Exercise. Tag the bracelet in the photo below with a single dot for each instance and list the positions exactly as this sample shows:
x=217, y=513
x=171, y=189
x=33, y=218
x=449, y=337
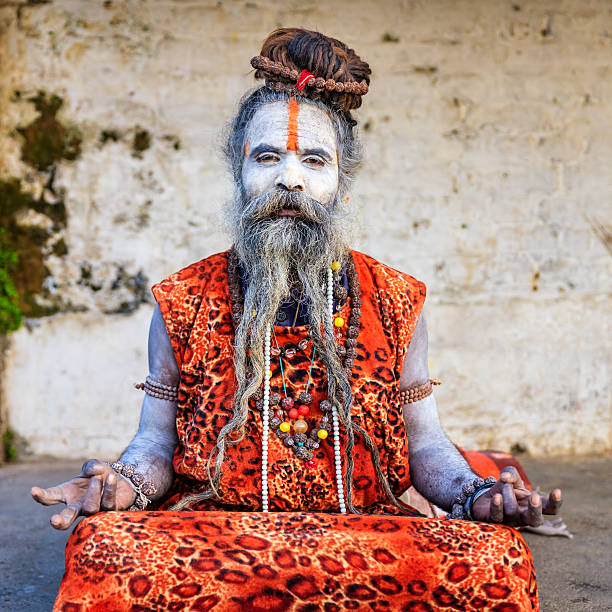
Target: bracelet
x=144, y=489
x=462, y=506
x=158, y=390
x=414, y=394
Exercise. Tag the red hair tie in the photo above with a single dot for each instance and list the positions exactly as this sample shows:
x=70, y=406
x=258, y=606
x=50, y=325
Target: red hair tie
x=304, y=78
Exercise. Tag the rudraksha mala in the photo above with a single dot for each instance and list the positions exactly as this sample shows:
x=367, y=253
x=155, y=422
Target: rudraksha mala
x=144, y=489
x=158, y=390
x=282, y=78
x=470, y=492
x=419, y=392
x=301, y=444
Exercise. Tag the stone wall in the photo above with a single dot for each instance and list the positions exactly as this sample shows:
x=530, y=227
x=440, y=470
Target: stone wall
x=488, y=138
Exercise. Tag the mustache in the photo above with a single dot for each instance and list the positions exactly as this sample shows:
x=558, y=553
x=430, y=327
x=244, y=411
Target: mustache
x=272, y=202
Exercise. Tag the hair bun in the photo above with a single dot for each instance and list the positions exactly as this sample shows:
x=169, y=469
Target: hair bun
x=341, y=77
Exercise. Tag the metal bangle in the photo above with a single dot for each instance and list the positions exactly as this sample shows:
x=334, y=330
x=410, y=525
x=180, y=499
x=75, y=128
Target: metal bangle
x=468, y=490
x=469, y=504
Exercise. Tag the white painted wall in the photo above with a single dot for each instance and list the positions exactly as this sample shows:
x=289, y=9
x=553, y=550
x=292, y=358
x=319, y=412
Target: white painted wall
x=488, y=144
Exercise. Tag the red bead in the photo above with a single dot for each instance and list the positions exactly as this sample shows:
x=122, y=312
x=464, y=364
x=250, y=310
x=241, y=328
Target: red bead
x=287, y=403
x=293, y=413
x=303, y=410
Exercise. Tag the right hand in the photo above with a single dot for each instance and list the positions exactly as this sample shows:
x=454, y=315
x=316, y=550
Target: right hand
x=97, y=487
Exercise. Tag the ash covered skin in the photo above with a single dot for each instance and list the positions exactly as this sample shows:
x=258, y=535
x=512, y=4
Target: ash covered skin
x=276, y=157
x=291, y=146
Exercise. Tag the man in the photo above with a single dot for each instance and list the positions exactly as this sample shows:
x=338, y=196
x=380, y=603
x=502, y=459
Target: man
x=279, y=373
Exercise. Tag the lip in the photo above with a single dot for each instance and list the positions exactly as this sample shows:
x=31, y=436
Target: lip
x=288, y=212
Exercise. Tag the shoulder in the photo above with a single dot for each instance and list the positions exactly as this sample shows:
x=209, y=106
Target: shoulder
x=195, y=276
x=385, y=277
x=180, y=295
x=182, y=291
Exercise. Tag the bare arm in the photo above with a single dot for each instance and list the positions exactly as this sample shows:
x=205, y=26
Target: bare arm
x=437, y=469
x=153, y=446
x=97, y=487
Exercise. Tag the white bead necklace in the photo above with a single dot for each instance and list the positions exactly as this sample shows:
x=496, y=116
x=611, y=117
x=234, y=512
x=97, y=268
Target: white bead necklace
x=266, y=414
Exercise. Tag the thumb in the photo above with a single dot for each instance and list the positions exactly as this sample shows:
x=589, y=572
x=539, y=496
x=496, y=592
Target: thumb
x=94, y=467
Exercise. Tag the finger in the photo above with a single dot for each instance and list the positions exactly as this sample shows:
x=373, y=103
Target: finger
x=511, y=476
x=532, y=516
x=66, y=517
x=522, y=495
x=109, y=495
x=553, y=503
x=91, y=501
x=94, y=467
x=48, y=497
x=511, y=508
x=497, y=509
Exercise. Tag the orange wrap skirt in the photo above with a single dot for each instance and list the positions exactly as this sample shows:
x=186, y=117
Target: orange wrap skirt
x=251, y=561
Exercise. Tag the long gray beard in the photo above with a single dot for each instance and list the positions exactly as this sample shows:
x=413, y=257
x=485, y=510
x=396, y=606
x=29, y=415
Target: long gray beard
x=273, y=251
x=276, y=253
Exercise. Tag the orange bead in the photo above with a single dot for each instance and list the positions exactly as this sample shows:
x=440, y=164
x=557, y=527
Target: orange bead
x=300, y=426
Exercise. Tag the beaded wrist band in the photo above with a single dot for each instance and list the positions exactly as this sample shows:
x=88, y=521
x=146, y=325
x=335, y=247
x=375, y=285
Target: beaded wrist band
x=143, y=488
x=414, y=394
x=159, y=390
x=470, y=491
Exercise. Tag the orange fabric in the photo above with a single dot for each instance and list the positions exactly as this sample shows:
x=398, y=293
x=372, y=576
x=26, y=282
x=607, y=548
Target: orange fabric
x=250, y=561
x=195, y=306
x=300, y=561
x=292, y=125
x=491, y=463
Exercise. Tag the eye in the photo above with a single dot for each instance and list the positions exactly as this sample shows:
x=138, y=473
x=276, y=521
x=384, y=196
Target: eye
x=312, y=160
x=267, y=157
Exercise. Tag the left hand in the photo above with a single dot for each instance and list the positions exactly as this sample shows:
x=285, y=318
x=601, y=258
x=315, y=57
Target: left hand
x=509, y=502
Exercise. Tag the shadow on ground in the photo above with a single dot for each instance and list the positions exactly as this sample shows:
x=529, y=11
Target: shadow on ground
x=573, y=575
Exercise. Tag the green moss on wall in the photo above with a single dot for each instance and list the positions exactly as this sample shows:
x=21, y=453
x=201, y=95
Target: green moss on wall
x=23, y=246
x=10, y=314
x=141, y=141
x=22, y=267
x=45, y=140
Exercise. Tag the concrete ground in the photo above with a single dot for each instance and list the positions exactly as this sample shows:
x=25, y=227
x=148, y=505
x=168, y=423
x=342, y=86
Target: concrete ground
x=573, y=575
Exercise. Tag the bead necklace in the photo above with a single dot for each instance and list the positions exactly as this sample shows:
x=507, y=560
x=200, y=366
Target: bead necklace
x=301, y=444
x=346, y=353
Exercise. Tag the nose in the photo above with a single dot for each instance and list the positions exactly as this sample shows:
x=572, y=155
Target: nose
x=290, y=176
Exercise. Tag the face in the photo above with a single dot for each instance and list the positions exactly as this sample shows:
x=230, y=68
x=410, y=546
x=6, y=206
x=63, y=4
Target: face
x=291, y=146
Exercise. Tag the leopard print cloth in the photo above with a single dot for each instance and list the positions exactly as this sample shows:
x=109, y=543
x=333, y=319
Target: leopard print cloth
x=229, y=556
x=196, y=308
x=307, y=562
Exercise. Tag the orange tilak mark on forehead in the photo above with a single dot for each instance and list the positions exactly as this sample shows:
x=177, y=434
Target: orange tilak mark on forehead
x=292, y=125
x=247, y=148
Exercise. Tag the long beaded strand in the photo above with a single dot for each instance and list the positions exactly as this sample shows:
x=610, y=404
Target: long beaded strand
x=337, y=457
x=266, y=414
x=265, y=422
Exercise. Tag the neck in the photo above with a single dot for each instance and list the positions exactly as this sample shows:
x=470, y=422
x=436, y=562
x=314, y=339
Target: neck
x=294, y=310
